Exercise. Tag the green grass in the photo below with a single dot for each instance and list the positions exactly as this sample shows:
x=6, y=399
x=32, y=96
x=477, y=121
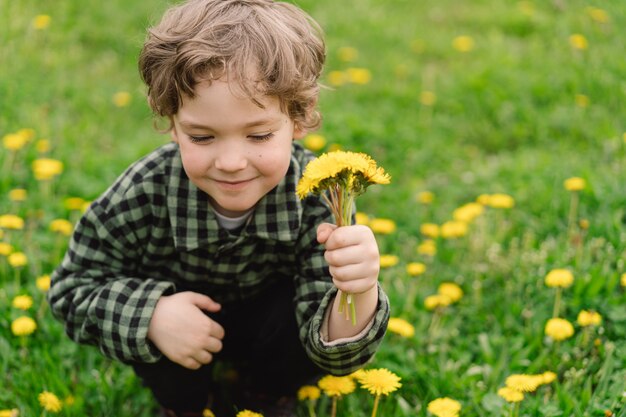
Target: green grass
x=505, y=120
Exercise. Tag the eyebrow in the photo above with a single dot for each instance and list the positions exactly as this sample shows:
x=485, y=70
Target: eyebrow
x=192, y=125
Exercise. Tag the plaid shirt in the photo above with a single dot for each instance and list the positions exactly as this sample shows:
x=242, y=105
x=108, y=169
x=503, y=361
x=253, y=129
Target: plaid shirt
x=154, y=233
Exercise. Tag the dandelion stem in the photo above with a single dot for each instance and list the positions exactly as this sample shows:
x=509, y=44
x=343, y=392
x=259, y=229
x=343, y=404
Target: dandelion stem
x=311, y=409
x=333, y=410
x=573, y=212
x=376, y=400
x=557, y=303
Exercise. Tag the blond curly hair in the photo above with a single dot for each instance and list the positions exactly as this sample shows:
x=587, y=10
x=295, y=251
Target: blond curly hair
x=267, y=48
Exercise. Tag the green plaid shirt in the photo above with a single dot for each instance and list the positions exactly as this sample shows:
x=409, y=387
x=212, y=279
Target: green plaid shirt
x=153, y=233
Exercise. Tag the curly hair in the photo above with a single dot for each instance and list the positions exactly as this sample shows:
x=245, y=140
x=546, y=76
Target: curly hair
x=267, y=48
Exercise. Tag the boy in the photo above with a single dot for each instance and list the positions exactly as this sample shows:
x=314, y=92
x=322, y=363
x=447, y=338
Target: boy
x=200, y=254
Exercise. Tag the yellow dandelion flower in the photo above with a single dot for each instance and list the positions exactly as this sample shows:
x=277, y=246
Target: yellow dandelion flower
x=121, y=99
x=578, y=41
x=62, y=226
x=17, y=194
x=387, y=261
x=41, y=21
x=526, y=7
x=46, y=168
x=379, y=381
x=428, y=98
x=453, y=229
x=308, y=392
x=559, y=329
x=208, y=413
x=348, y=54
x=574, y=184
x=248, y=413
x=415, y=268
x=597, y=15
x=14, y=141
x=589, y=318
x=430, y=230
x=23, y=326
x=43, y=145
x=425, y=197
x=50, y=402
x=559, y=278
x=11, y=221
x=584, y=224
x=623, y=280
x=499, y=200
x=382, y=226
x=463, y=43
x=444, y=407
x=581, y=100
x=359, y=75
x=335, y=386
x=547, y=377
x=43, y=283
x=437, y=300
x=27, y=133
x=314, y=142
x=357, y=374
x=511, y=395
x=5, y=249
x=14, y=412
x=361, y=218
x=22, y=302
x=17, y=259
x=337, y=78
x=450, y=290
x=468, y=212
x=523, y=382
x=400, y=326
x=350, y=170
x=73, y=203
x=427, y=247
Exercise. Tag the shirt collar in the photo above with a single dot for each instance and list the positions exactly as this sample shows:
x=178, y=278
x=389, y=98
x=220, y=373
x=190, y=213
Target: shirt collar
x=276, y=216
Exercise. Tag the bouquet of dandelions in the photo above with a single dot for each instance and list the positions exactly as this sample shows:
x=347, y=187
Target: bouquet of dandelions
x=339, y=177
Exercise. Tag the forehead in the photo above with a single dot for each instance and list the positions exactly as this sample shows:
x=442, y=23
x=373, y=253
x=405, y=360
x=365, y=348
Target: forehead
x=223, y=102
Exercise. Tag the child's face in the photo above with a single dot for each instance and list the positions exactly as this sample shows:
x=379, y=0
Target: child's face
x=232, y=149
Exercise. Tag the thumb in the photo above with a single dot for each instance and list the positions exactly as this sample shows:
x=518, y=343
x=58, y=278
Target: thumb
x=204, y=302
x=324, y=231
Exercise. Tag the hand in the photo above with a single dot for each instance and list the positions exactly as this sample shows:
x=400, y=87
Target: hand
x=181, y=330
x=352, y=256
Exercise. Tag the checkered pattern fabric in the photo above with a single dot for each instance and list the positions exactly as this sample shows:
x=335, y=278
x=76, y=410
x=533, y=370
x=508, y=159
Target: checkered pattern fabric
x=153, y=233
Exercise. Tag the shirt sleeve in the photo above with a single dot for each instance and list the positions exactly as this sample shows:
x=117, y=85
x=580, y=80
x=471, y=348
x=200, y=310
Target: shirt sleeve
x=314, y=295
x=95, y=292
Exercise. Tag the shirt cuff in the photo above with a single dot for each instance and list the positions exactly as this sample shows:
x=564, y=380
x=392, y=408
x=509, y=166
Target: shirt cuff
x=324, y=331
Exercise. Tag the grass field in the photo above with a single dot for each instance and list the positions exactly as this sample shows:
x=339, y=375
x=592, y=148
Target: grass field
x=459, y=99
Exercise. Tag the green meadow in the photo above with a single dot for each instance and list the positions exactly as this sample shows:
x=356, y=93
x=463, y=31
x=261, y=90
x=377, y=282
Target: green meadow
x=479, y=110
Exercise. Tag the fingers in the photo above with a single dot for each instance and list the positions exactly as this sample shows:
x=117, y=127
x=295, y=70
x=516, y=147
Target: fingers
x=340, y=237
x=324, y=231
x=204, y=302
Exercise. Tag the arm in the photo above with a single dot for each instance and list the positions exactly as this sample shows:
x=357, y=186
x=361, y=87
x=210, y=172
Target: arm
x=352, y=254
x=316, y=295
x=96, y=293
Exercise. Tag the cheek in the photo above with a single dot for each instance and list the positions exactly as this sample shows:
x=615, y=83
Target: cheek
x=274, y=163
x=193, y=163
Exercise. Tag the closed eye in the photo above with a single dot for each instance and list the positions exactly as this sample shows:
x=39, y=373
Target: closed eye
x=200, y=139
x=262, y=138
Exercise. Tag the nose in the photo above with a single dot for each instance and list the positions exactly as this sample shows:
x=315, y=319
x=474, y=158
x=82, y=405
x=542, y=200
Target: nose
x=230, y=157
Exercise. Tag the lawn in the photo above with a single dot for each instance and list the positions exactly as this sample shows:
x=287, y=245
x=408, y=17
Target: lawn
x=481, y=111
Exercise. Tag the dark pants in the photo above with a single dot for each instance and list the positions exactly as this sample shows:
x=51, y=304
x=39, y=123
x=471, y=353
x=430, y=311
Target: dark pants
x=262, y=353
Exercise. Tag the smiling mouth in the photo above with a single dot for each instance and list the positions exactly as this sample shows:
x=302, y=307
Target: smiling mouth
x=233, y=185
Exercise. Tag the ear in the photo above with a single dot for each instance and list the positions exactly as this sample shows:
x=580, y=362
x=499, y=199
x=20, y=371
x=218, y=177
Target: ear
x=298, y=132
